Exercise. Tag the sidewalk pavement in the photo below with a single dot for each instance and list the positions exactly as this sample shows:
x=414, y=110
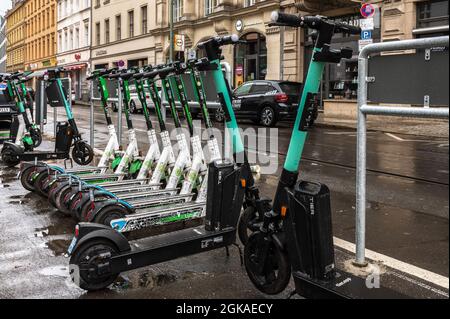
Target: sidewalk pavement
x=392, y=124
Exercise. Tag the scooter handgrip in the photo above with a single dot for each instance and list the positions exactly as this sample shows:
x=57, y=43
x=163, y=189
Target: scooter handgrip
x=287, y=19
x=229, y=39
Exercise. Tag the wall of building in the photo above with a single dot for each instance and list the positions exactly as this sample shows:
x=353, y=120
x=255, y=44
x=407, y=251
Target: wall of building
x=3, y=43
x=40, y=19
x=74, y=41
x=16, y=33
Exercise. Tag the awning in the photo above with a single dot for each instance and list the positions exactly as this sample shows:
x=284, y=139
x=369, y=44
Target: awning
x=76, y=66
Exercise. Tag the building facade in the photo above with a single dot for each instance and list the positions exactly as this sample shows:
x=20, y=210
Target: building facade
x=40, y=41
x=133, y=33
x=15, y=37
x=74, y=41
x=2, y=44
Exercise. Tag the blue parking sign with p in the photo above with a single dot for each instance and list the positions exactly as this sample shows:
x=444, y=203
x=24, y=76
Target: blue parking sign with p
x=366, y=34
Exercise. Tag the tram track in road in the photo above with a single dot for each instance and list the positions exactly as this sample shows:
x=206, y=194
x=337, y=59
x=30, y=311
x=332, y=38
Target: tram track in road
x=338, y=164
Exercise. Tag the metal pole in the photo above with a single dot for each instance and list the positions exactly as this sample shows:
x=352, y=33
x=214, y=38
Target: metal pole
x=360, y=230
x=91, y=118
x=119, y=111
x=282, y=52
x=42, y=107
x=171, y=47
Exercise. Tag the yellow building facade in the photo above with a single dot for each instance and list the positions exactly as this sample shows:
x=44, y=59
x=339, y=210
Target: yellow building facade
x=15, y=35
x=40, y=42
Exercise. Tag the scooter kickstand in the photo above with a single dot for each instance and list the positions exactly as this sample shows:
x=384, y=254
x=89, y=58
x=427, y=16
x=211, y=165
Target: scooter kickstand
x=241, y=258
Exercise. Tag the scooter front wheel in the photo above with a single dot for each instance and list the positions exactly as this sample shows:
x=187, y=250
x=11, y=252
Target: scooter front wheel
x=270, y=274
x=82, y=153
x=36, y=136
x=86, y=261
x=9, y=157
x=249, y=221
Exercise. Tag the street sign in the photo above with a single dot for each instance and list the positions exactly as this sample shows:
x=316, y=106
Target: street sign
x=179, y=42
x=192, y=54
x=364, y=43
x=367, y=24
x=367, y=10
x=366, y=34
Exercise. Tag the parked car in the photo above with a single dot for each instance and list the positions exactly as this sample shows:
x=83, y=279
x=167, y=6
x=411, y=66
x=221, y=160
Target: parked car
x=265, y=102
x=135, y=103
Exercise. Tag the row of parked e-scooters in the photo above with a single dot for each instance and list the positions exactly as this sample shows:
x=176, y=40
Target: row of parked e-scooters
x=126, y=192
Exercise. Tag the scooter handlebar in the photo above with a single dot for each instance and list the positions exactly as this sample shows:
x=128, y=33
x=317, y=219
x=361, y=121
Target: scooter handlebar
x=281, y=18
x=220, y=41
x=313, y=22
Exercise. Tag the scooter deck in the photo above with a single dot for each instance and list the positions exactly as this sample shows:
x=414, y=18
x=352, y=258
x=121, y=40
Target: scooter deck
x=42, y=155
x=344, y=285
x=87, y=169
x=154, y=216
x=169, y=246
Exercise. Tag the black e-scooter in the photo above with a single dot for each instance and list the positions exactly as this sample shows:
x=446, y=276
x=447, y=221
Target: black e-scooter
x=295, y=237
x=66, y=132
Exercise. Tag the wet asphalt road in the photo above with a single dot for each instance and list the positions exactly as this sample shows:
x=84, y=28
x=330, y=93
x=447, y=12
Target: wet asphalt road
x=407, y=217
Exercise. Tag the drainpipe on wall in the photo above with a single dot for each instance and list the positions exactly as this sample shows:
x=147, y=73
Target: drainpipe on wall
x=171, y=30
x=282, y=53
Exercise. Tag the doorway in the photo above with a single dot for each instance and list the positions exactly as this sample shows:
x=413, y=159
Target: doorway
x=250, y=59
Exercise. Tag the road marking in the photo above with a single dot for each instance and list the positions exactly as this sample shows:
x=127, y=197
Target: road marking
x=421, y=273
x=395, y=137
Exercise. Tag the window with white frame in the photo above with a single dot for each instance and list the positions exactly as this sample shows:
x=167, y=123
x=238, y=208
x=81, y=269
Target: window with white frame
x=177, y=10
x=249, y=3
x=209, y=6
x=86, y=34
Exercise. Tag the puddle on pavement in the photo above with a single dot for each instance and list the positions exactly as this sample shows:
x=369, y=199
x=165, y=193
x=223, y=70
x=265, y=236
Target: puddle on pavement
x=148, y=279
x=58, y=246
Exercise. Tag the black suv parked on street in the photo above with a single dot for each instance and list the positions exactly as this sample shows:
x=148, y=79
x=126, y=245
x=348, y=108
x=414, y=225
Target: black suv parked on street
x=265, y=102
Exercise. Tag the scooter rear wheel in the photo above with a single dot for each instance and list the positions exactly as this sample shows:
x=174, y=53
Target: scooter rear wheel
x=82, y=153
x=276, y=271
x=61, y=199
x=88, y=209
x=109, y=213
x=41, y=183
x=85, y=261
x=26, y=178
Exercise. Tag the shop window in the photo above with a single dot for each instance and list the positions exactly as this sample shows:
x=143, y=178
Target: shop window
x=138, y=63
